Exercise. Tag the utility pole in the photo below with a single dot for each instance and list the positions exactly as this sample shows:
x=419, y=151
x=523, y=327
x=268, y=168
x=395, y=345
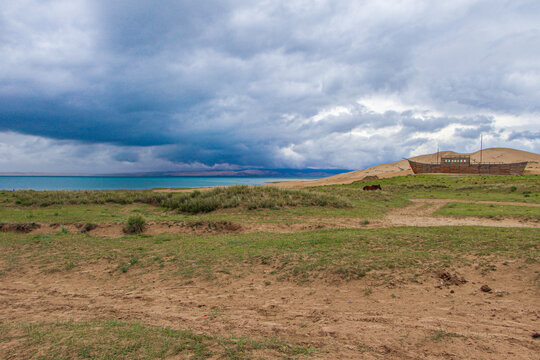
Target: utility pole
x=481, y=148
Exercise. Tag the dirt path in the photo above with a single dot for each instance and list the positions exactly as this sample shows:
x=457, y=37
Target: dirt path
x=421, y=213
x=360, y=319
x=445, y=201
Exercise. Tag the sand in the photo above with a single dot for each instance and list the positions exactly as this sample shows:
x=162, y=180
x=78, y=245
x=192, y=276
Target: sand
x=401, y=167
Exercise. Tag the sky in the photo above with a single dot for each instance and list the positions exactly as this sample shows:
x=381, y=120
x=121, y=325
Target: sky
x=130, y=86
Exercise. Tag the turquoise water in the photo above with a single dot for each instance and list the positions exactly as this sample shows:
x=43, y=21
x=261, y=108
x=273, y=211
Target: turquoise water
x=122, y=183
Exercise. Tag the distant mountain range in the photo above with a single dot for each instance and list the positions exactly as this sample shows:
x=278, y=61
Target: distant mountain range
x=273, y=173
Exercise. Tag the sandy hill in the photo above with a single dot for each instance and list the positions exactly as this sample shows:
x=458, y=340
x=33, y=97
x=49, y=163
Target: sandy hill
x=401, y=168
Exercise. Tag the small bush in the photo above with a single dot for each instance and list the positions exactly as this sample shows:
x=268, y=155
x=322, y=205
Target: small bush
x=135, y=225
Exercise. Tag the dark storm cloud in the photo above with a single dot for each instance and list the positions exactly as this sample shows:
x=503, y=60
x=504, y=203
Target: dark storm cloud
x=126, y=156
x=58, y=118
x=261, y=83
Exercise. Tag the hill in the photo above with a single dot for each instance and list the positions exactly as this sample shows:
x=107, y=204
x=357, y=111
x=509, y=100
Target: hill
x=401, y=167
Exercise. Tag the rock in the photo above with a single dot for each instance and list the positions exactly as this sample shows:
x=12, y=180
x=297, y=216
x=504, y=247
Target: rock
x=448, y=279
x=485, y=288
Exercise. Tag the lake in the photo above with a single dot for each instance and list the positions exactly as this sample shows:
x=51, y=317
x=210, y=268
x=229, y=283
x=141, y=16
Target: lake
x=123, y=183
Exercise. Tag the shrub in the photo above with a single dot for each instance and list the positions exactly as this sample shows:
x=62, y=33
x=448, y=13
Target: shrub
x=135, y=225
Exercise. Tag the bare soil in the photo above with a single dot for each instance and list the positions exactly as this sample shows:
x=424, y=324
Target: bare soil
x=421, y=214
x=434, y=317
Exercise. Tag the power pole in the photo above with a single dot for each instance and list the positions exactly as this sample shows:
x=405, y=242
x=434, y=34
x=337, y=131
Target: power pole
x=481, y=148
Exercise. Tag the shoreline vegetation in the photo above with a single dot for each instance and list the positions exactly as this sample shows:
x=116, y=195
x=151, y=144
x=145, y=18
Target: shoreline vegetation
x=193, y=202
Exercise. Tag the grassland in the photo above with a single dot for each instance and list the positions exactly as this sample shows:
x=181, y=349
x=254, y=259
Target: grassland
x=351, y=253
x=489, y=210
x=345, y=254
x=384, y=267
x=465, y=187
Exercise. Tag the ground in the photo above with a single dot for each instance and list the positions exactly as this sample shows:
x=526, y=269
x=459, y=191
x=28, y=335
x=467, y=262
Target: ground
x=430, y=267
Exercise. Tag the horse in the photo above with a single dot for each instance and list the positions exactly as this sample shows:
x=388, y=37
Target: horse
x=372, y=187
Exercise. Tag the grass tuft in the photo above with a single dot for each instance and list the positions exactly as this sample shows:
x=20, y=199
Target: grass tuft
x=134, y=225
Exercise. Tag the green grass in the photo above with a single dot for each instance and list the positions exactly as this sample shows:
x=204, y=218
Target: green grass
x=345, y=254
x=131, y=340
x=489, y=210
x=341, y=252
x=65, y=214
x=467, y=187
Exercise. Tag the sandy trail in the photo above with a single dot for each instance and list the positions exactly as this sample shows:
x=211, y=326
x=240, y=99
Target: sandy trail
x=420, y=213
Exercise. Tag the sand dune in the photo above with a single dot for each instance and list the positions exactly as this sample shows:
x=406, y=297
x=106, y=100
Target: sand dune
x=401, y=167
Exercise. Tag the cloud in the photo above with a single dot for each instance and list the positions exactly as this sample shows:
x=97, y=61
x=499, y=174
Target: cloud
x=272, y=83
x=525, y=135
x=473, y=132
x=125, y=156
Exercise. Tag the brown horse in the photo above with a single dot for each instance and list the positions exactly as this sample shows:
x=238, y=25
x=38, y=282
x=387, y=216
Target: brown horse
x=372, y=187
